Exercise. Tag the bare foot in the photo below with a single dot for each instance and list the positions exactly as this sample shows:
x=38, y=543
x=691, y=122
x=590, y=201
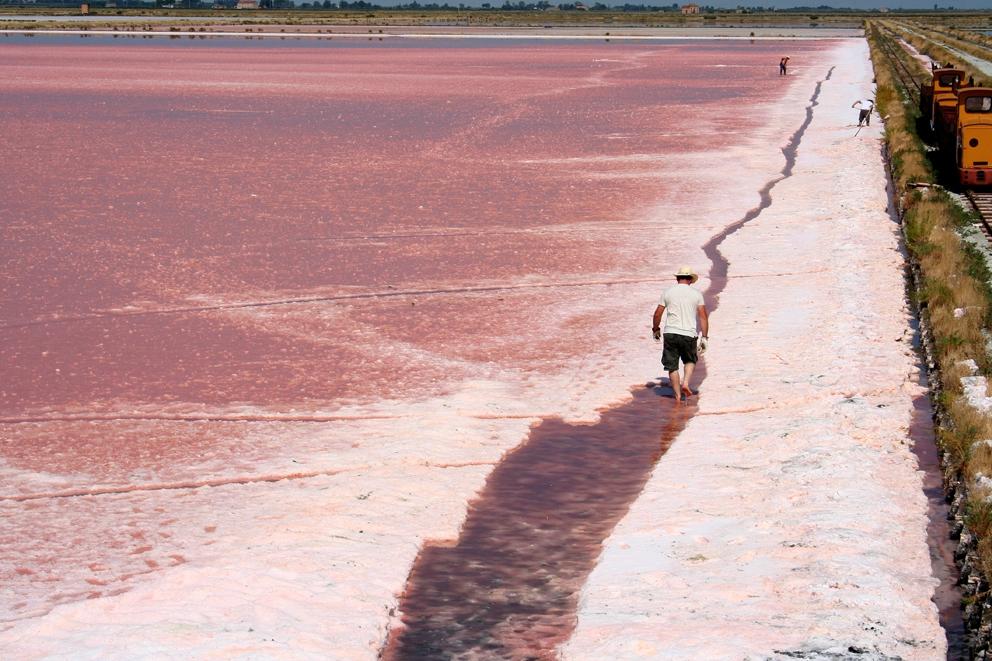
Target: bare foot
x=686, y=392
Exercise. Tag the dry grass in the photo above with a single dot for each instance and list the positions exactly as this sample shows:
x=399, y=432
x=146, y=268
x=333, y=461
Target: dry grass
x=947, y=286
x=905, y=149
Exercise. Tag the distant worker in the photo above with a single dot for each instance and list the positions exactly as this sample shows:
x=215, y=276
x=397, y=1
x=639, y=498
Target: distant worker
x=864, y=106
x=783, y=65
x=684, y=304
x=971, y=81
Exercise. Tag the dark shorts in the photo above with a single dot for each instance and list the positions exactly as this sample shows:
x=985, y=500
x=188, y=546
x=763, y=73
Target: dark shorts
x=678, y=347
x=864, y=117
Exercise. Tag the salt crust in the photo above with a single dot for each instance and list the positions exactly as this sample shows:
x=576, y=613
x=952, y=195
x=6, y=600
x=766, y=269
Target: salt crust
x=789, y=516
x=975, y=388
x=925, y=60
x=297, y=568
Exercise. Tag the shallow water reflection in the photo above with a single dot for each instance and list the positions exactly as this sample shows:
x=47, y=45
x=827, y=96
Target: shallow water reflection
x=509, y=587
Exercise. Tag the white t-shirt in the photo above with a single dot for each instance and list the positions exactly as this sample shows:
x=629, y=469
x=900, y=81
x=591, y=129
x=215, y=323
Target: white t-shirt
x=866, y=104
x=681, y=303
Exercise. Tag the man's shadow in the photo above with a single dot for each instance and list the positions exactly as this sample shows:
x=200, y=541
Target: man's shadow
x=662, y=388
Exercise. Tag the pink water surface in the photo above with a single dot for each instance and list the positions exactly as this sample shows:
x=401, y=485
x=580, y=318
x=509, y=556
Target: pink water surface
x=158, y=176
x=207, y=227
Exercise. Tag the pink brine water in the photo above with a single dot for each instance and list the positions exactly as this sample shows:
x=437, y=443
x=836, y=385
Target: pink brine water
x=199, y=235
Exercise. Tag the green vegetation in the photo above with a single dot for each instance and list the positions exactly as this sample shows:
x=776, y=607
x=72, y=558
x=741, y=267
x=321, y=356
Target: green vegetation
x=951, y=275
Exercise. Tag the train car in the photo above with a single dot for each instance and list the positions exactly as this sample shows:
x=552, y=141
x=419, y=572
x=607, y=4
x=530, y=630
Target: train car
x=974, y=136
x=943, y=115
x=949, y=77
x=926, y=101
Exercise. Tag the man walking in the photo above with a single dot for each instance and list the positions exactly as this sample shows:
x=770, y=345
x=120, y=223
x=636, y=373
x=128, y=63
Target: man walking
x=783, y=66
x=684, y=304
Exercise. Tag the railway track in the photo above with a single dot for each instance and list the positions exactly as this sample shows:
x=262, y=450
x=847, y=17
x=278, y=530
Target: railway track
x=909, y=82
x=982, y=203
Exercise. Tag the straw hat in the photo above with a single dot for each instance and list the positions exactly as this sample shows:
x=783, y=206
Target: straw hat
x=687, y=272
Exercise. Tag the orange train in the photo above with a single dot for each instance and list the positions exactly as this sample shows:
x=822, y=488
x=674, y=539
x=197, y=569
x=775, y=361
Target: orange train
x=960, y=115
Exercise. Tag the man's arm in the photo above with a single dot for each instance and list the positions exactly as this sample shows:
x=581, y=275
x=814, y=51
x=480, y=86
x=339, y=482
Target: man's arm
x=704, y=321
x=656, y=322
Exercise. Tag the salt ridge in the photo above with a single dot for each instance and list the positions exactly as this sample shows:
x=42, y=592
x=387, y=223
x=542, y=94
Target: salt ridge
x=799, y=530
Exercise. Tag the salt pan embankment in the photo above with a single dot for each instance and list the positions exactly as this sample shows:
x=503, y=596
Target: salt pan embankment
x=788, y=518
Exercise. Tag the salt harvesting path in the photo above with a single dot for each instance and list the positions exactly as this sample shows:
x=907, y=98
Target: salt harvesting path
x=508, y=588
x=788, y=520
x=222, y=518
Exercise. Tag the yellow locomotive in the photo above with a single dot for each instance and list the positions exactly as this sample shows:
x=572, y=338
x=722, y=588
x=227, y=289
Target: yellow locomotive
x=973, y=154
x=960, y=116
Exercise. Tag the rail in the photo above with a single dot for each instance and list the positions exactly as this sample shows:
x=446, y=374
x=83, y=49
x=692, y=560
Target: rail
x=981, y=202
x=907, y=81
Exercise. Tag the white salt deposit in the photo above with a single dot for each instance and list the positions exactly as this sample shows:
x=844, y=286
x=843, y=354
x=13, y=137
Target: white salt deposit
x=975, y=388
x=789, y=517
x=982, y=483
x=925, y=60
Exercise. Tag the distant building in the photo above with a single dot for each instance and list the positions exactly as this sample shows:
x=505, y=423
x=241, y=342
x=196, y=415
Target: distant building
x=581, y=6
x=690, y=9
x=84, y=8
x=247, y=4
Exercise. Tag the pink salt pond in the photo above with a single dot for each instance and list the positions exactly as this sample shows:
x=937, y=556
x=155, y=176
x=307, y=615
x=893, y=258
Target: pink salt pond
x=215, y=252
